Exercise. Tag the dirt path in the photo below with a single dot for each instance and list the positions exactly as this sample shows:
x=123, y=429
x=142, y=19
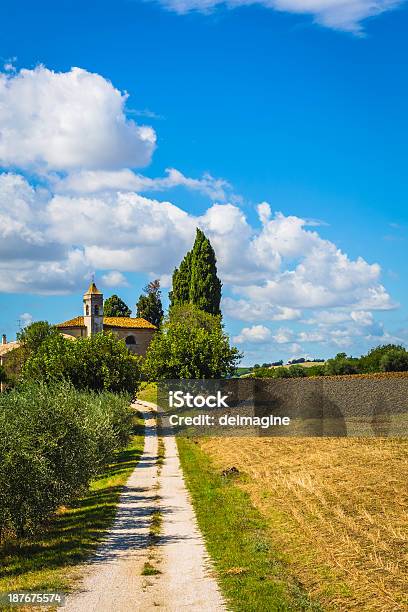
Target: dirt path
x=113, y=580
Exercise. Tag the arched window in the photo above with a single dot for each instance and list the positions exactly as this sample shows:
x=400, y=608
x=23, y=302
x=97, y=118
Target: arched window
x=87, y=310
x=130, y=340
x=96, y=309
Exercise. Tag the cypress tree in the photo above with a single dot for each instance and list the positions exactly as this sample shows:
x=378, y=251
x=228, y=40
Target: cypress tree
x=205, y=286
x=180, y=293
x=196, y=281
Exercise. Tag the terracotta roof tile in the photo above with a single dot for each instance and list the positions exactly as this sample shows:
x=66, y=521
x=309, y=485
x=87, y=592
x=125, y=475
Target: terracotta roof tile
x=10, y=346
x=134, y=323
x=123, y=322
x=75, y=322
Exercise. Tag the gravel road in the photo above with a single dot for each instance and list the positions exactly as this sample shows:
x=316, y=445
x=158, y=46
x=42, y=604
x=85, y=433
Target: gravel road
x=113, y=580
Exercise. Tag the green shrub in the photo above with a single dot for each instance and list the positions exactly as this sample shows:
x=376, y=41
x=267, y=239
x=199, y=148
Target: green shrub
x=53, y=441
x=316, y=370
x=341, y=364
x=261, y=372
x=372, y=361
x=395, y=360
x=100, y=362
x=297, y=371
x=280, y=372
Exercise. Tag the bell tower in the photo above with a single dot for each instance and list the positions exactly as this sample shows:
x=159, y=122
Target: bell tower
x=93, y=310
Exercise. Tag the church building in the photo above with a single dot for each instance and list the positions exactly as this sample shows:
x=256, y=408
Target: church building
x=136, y=332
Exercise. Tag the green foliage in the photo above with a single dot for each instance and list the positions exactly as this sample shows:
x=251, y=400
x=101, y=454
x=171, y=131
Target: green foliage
x=395, y=360
x=114, y=306
x=190, y=351
x=180, y=293
x=53, y=441
x=193, y=318
x=32, y=336
x=297, y=371
x=100, y=362
x=149, y=305
x=3, y=375
x=196, y=281
x=372, y=361
x=205, y=287
x=316, y=370
x=280, y=372
x=341, y=364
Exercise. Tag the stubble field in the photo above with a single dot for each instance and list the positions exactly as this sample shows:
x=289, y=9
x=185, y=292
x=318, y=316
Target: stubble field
x=336, y=510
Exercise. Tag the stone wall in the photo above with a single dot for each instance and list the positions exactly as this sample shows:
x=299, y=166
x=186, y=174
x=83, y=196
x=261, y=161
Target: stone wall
x=142, y=338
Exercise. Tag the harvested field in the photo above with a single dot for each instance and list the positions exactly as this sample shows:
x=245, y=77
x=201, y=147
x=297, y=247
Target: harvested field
x=337, y=510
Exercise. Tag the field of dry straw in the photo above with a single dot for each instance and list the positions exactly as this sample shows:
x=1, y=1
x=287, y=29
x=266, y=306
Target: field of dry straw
x=337, y=509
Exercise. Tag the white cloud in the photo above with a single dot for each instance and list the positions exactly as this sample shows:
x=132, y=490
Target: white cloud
x=283, y=335
x=296, y=351
x=68, y=120
x=94, y=181
x=123, y=231
x=114, y=279
x=355, y=327
x=66, y=275
x=362, y=317
x=344, y=15
x=244, y=310
x=257, y=334
x=21, y=222
x=26, y=318
x=275, y=272
x=299, y=269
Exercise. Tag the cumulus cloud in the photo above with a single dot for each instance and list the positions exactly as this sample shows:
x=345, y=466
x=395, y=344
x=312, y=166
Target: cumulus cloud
x=344, y=15
x=275, y=272
x=114, y=279
x=60, y=121
x=94, y=181
x=66, y=275
x=302, y=270
x=22, y=222
x=124, y=231
x=255, y=334
x=244, y=310
x=355, y=327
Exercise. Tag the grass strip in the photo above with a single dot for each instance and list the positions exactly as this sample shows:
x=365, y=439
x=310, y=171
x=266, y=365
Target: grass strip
x=251, y=574
x=48, y=562
x=148, y=392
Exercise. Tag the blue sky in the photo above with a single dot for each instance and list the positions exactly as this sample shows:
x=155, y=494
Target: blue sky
x=306, y=112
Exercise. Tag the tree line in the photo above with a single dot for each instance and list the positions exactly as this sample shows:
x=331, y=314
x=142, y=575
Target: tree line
x=383, y=358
